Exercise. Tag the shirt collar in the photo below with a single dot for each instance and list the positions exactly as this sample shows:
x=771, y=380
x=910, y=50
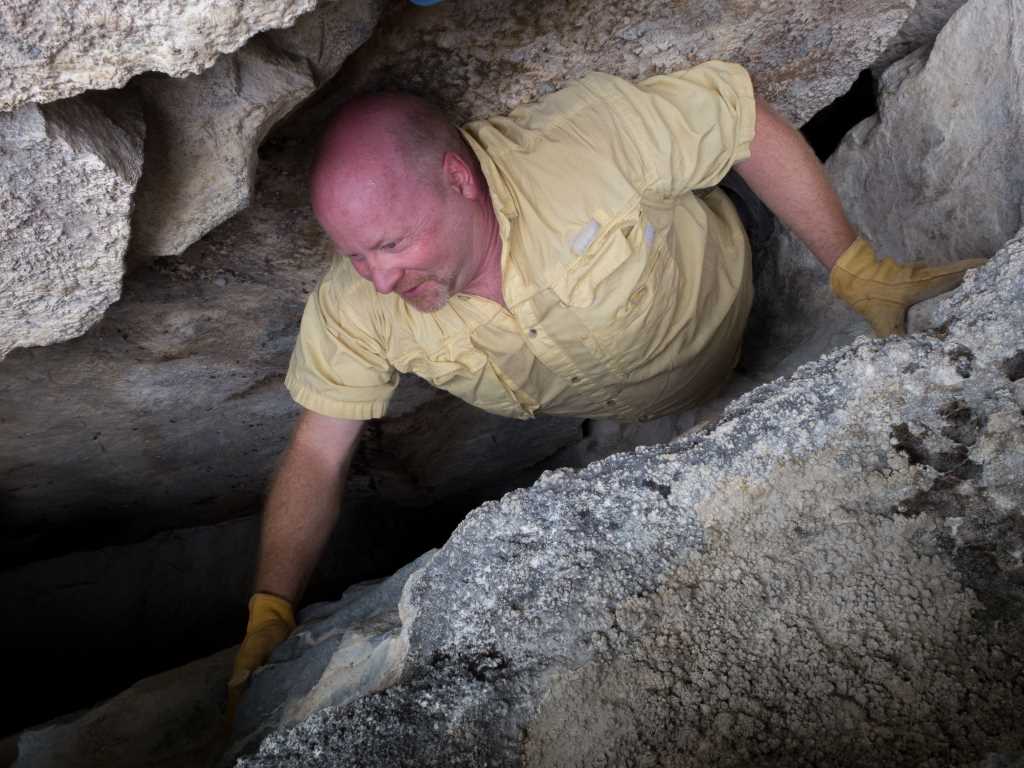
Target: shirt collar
x=514, y=286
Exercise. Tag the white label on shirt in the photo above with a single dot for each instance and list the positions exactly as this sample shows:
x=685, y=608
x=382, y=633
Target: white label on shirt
x=585, y=237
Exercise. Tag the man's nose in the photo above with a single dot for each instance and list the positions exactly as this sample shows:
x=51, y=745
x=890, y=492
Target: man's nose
x=385, y=278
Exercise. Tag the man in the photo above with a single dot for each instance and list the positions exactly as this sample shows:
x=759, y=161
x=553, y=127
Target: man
x=571, y=258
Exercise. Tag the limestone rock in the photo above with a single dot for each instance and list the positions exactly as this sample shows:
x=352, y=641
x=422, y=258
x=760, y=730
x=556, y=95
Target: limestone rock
x=483, y=57
x=829, y=576
x=51, y=49
x=203, y=134
x=934, y=176
x=204, y=130
x=924, y=23
x=67, y=176
x=937, y=174
x=325, y=38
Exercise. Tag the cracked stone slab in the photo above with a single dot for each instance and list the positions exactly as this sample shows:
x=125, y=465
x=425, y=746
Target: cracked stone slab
x=68, y=173
x=50, y=50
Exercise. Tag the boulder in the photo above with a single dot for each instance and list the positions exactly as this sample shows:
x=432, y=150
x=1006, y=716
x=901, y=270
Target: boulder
x=829, y=576
x=201, y=149
x=67, y=176
x=50, y=50
x=204, y=130
x=936, y=174
x=479, y=58
x=922, y=25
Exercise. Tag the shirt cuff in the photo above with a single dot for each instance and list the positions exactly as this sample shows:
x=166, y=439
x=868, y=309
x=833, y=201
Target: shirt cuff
x=314, y=401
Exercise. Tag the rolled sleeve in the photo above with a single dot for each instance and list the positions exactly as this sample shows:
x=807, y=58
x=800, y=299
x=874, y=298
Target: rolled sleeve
x=689, y=128
x=337, y=368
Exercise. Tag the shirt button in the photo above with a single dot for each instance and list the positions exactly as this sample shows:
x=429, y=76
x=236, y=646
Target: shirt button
x=532, y=332
x=575, y=380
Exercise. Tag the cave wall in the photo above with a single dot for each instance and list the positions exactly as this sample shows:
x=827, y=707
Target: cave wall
x=145, y=430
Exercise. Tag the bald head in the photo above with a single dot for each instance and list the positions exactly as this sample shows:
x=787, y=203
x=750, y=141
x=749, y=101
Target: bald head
x=377, y=141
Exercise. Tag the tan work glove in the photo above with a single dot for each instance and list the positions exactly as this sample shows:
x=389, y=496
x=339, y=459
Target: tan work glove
x=271, y=620
x=882, y=290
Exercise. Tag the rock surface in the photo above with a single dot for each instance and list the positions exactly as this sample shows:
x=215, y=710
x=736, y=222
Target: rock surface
x=934, y=176
x=67, y=176
x=483, y=57
x=51, y=49
x=343, y=651
x=920, y=28
x=203, y=134
x=204, y=130
x=832, y=575
x=171, y=720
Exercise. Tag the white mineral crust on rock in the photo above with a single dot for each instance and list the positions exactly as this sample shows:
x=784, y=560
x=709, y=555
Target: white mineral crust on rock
x=51, y=49
x=67, y=175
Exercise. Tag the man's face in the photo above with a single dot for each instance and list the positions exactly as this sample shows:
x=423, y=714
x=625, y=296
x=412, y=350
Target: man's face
x=408, y=237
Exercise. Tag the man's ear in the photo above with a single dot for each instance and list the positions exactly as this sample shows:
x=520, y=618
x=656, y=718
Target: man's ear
x=459, y=176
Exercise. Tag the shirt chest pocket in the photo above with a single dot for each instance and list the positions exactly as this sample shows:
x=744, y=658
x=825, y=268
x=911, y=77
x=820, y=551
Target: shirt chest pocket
x=611, y=277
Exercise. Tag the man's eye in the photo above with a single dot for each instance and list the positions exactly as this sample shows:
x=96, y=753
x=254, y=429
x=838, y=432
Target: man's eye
x=390, y=246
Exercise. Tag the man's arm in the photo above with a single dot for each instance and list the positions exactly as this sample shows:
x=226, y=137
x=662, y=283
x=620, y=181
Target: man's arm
x=304, y=501
x=298, y=518
x=784, y=172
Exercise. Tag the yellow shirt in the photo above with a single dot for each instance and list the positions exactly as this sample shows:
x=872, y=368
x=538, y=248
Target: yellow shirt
x=627, y=282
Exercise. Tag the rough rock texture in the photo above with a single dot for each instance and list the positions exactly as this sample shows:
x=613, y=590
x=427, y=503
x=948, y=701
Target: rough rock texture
x=832, y=575
x=920, y=28
x=484, y=57
x=204, y=130
x=343, y=651
x=67, y=175
x=53, y=49
x=201, y=151
x=171, y=720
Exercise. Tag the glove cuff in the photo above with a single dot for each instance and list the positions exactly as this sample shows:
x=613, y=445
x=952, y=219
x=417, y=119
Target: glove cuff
x=265, y=607
x=858, y=256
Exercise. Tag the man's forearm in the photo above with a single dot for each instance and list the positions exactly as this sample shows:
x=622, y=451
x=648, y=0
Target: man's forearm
x=302, y=509
x=783, y=171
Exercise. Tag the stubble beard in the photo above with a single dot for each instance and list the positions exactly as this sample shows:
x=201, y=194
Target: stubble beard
x=432, y=293
x=432, y=296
